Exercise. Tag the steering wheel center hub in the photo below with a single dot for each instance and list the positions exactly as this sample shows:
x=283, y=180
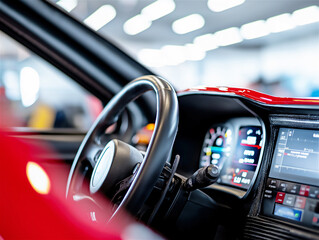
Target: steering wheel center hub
x=102, y=167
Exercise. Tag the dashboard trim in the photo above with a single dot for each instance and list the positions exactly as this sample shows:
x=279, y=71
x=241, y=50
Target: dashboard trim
x=254, y=95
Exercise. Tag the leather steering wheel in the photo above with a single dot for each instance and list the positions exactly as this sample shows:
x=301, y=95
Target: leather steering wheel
x=117, y=159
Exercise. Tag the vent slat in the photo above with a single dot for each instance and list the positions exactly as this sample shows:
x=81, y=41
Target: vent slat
x=262, y=229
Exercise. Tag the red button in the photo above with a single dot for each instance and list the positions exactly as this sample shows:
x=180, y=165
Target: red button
x=280, y=197
x=307, y=191
x=300, y=202
x=304, y=190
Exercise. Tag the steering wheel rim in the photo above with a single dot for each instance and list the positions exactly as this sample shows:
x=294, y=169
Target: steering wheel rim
x=159, y=148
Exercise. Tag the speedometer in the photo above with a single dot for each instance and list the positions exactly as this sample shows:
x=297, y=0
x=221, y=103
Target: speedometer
x=217, y=146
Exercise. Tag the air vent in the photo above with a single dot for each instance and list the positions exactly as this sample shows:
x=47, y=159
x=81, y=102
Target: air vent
x=263, y=229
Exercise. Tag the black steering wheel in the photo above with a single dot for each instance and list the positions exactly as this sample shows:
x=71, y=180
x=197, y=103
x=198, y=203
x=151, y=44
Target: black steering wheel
x=117, y=160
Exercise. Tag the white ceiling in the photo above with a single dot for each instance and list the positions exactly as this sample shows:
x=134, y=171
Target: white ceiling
x=161, y=33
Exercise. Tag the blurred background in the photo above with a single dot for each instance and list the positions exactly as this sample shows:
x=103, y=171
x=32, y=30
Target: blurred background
x=271, y=46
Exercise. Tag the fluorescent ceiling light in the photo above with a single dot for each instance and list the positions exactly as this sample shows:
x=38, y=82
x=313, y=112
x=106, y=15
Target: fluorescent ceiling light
x=228, y=36
x=173, y=54
x=136, y=24
x=67, y=5
x=158, y=9
x=306, y=15
x=206, y=42
x=29, y=86
x=280, y=23
x=254, y=29
x=100, y=17
x=151, y=57
x=188, y=24
x=222, y=5
x=194, y=53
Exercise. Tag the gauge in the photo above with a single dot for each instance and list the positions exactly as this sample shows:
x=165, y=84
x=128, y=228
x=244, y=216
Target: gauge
x=217, y=146
x=241, y=169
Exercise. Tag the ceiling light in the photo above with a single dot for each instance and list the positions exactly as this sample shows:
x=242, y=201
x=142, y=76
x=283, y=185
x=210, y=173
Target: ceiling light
x=188, y=24
x=280, y=23
x=136, y=24
x=306, y=15
x=29, y=86
x=151, y=57
x=222, y=5
x=228, y=36
x=100, y=17
x=194, y=53
x=206, y=42
x=173, y=54
x=67, y=5
x=158, y=9
x=254, y=29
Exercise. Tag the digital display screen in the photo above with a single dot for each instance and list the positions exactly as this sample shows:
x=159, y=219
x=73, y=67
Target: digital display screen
x=296, y=156
x=241, y=169
x=287, y=212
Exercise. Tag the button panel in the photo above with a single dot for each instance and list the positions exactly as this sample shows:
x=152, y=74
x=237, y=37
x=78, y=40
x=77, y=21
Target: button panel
x=298, y=203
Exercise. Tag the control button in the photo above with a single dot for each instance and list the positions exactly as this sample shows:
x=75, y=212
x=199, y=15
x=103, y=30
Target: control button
x=283, y=186
x=314, y=192
x=304, y=190
x=315, y=220
x=293, y=188
x=280, y=197
x=289, y=200
x=300, y=202
x=268, y=191
x=267, y=196
x=272, y=183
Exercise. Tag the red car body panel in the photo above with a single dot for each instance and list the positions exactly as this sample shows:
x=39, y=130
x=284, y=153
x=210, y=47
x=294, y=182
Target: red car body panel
x=255, y=96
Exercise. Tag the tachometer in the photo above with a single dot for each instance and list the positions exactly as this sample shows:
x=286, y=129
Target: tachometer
x=217, y=146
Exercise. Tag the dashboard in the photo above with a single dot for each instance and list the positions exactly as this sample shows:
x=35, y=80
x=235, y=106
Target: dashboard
x=268, y=155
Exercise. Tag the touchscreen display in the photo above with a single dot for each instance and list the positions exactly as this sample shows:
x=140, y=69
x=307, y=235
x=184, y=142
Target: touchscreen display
x=296, y=156
x=241, y=170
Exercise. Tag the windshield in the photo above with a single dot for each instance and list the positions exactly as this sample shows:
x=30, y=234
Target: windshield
x=269, y=46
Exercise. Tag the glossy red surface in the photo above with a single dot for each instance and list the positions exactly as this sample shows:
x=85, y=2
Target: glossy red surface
x=256, y=96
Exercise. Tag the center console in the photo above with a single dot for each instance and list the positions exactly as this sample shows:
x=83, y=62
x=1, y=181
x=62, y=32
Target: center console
x=292, y=189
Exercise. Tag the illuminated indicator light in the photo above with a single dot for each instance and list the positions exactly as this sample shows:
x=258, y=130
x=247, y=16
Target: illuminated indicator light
x=222, y=5
x=280, y=23
x=38, y=178
x=100, y=17
x=306, y=15
x=249, y=145
x=150, y=126
x=188, y=24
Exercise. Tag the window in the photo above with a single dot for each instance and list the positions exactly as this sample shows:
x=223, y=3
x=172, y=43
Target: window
x=35, y=94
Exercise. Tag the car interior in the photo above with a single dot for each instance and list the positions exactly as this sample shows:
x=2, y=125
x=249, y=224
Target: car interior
x=197, y=162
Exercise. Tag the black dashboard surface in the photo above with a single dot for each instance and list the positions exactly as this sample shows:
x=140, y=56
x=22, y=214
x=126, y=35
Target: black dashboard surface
x=204, y=121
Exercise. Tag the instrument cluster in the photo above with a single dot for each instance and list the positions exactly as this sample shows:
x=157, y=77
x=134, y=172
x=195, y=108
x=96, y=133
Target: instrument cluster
x=235, y=147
